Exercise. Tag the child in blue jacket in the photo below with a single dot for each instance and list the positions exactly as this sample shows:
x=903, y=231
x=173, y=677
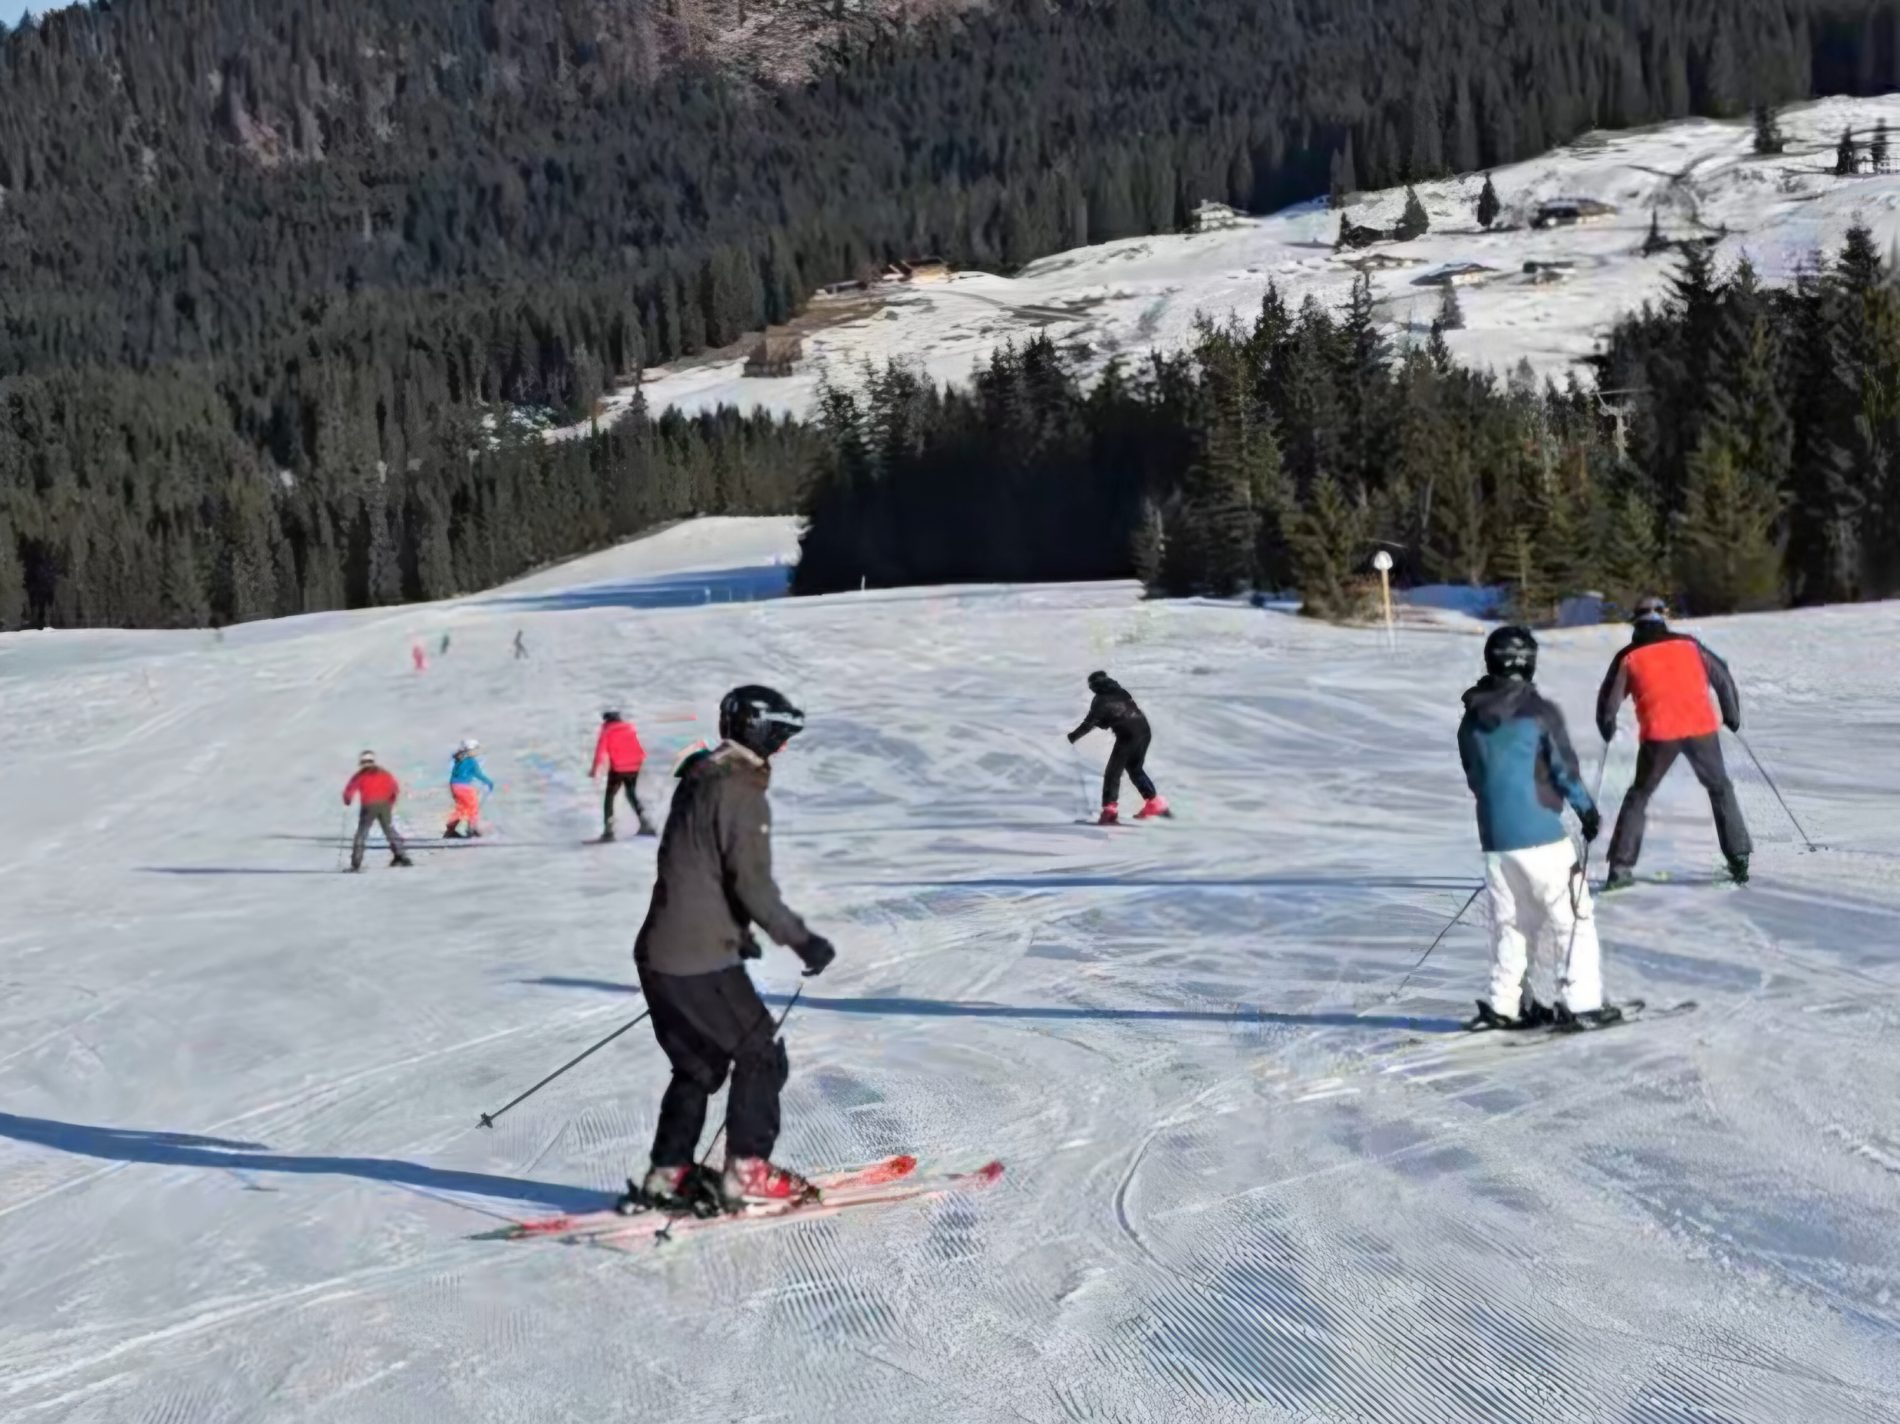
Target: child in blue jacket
x=465, y=774
x=1520, y=765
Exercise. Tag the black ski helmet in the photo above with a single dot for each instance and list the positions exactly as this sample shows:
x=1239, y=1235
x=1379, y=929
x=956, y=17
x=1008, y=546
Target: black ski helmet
x=1099, y=681
x=759, y=719
x=1511, y=651
x=612, y=714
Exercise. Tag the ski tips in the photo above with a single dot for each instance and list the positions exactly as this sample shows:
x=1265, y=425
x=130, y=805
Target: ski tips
x=989, y=1171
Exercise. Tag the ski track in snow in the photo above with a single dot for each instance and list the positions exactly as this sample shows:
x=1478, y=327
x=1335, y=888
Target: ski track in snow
x=238, y=1154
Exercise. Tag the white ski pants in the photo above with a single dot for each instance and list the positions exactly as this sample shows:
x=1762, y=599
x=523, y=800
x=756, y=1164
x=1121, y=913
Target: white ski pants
x=1540, y=906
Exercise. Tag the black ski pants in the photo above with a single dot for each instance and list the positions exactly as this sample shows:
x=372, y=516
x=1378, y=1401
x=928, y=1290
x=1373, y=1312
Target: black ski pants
x=1129, y=755
x=709, y=1025
x=615, y=781
x=1653, y=760
x=375, y=813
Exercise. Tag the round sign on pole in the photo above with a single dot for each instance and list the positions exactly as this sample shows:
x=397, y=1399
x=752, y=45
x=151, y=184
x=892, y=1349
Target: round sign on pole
x=1382, y=561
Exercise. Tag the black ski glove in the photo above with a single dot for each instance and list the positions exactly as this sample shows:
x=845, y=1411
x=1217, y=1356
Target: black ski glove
x=1592, y=821
x=817, y=954
x=749, y=948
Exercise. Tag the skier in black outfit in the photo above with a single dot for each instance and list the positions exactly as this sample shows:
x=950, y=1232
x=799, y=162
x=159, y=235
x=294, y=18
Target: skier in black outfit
x=714, y=883
x=1114, y=711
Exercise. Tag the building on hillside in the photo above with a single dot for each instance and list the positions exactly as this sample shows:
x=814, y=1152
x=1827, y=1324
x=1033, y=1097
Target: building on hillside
x=1543, y=273
x=918, y=269
x=1383, y=262
x=1458, y=274
x=1569, y=212
x=776, y=354
x=848, y=288
x=1213, y=217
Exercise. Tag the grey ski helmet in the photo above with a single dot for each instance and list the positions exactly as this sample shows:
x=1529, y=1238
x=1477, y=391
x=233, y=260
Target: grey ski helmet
x=759, y=719
x=1511, y=651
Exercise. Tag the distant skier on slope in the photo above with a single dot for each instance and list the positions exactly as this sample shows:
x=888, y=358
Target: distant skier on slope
x=378, y=790
x=1671, y=676
x=419, y=657
x=715, y=882
x=465, y=774
x=1114, y=711
x=618, y=749
x=521, y=647
x=1520, y=765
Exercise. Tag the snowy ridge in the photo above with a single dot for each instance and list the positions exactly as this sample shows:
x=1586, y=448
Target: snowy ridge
x=1124, y=298
x=238, y=1091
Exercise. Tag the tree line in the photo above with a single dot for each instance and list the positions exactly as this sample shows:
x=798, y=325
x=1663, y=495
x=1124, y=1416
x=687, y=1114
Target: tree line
x=1751, y=464
x=285, y=257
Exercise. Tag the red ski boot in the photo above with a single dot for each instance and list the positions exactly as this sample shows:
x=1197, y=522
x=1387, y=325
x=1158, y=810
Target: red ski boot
x=1152, y=807
x=1111, y=815
x=754, y=1179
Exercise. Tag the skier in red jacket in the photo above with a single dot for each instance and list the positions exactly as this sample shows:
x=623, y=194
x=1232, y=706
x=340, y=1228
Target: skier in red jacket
x=1672, y=678
x=618, y=749
x=378, y=790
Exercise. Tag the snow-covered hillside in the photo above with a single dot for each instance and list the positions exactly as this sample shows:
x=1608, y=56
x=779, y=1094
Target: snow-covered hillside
x=1124, y=298
x=239, y=1164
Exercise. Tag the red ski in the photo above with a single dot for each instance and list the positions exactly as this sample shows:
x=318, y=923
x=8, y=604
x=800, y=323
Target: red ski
x=583, y=1224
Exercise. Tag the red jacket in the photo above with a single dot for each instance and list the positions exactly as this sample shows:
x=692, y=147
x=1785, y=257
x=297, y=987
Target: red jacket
x=1670, y=675
x=374, y=785
x=619, y=747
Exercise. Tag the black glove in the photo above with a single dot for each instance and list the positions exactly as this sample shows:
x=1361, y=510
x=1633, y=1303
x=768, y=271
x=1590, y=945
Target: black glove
x=1736, y=726
x=817, y=954
x=1592, y=824
x=1072, y=739
x=749, y=948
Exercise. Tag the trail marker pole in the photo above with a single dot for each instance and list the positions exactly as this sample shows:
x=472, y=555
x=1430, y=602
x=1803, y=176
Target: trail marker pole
x=1382, y=561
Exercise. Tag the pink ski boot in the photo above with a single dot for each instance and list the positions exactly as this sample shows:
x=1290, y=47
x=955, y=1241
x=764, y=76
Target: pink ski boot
x=1153, y=806
x=1111, y=815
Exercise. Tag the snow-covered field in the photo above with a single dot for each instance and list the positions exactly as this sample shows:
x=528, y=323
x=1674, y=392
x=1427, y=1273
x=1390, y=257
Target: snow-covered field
x=1131, y=296
x=239, y=1161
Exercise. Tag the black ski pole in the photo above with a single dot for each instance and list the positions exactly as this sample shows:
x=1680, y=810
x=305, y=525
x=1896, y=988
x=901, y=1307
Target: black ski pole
x=1792, y=820
x=488, y=1118
x=1469, y=902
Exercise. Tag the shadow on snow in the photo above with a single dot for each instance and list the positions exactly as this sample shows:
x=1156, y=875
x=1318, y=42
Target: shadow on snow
x=180, y=1149
x=1240, y=1015
x=689, y=590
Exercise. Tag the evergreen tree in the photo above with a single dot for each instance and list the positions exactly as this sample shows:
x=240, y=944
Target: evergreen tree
x=1148, y=544
x=1768, y=138
x=1878, y=148
x=1655, y=242
x=1488, y=205
x=1344, y=178
x=13, y=610
x=1725, y=554
x=1328, y=545
x=1450, y=316
x=1631, y=564
x=1846, y=155
x=1414, y=221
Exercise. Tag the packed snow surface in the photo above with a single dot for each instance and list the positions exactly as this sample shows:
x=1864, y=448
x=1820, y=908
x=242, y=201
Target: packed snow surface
x=239, y=1159
x=1699, y=178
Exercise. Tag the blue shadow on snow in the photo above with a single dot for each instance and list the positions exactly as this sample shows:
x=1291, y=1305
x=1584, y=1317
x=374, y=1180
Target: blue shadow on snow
x=1176, y=882
x=180, y=1149
x=948, y=1008
x=689, y=590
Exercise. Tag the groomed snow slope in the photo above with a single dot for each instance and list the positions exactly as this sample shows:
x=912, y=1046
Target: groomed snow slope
x=1125, y=298
x=238, y=1159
